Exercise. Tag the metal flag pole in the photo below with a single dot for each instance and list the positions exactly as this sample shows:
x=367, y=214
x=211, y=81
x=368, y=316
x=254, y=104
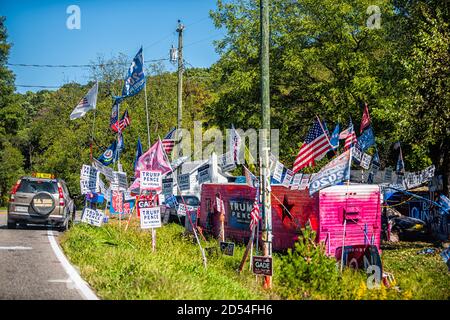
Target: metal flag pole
x=146, y=103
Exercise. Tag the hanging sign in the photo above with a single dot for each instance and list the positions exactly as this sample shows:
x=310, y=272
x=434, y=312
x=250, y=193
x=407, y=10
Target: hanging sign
x=150, y=218
x=336, y=171
x=203, y=174
x=262, y=265
x=296, y=181
x=365, y=161
x=93, y=217
x=278, y=171
x=415, y=179
x=184, y=181
x=304, y=182
x=227, y=162
x=151, y=180
x=106, y=171
x=288, y=178
x=356, y=154
x=119, y=181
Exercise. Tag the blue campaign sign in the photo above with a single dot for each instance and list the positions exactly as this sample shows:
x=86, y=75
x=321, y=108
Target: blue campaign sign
x=333, y=173
x=239, y=213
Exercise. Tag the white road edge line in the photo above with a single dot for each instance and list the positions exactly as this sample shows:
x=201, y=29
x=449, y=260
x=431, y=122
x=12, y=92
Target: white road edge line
x=81, y=285
x=16, y=248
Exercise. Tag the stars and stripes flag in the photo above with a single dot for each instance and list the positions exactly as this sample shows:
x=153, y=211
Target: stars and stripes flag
x=349, y=135
x=365, y=121
x=88, y=102
x=169, y=141
x=255, y=214
x=314, y=148
x=123, y=123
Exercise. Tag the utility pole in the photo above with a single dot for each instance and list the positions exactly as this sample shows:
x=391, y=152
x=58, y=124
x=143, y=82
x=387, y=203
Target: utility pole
x=265, y=148
x=180, y=92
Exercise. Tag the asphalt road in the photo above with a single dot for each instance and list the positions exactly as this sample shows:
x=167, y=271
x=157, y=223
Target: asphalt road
x=29, y=268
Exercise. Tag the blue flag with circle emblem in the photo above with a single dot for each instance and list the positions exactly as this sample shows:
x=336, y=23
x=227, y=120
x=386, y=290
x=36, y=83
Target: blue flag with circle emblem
x=110, y=154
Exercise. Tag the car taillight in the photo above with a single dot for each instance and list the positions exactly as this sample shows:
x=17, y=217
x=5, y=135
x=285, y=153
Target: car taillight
x=14, y=190
x=61, y=196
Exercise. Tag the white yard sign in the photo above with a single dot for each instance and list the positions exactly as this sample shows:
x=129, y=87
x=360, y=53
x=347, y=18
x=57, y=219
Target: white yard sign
x=93, y=217
x=150, y=218
x=151, y=180
x=278, y=171
x=296, y=181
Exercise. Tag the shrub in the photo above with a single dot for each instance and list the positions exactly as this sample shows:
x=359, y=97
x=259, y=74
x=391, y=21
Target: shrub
x=306, y=271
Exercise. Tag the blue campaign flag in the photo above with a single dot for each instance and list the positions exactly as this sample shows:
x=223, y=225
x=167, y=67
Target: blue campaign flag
x=135, y=79
x=334, y=141
x=367, y=139
x=110, y=154
x=138, y=153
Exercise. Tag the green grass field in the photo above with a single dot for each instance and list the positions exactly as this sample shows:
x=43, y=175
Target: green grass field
x=121, y=265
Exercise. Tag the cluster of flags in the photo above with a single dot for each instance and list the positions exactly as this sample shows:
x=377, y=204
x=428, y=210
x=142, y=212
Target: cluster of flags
x=318, y=142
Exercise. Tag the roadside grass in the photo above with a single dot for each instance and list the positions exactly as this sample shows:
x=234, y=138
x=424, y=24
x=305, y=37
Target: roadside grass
x=121, y=265
x=420, y=276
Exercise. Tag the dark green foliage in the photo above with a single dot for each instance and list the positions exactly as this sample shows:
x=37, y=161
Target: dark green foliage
x=306, y=269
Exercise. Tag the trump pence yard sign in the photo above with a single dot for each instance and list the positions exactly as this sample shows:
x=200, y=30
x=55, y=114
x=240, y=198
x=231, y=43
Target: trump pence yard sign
x=151, y=180
x=150, y=218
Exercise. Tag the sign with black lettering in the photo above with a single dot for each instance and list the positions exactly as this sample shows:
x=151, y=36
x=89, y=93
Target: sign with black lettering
x=93, y=217
x=184, y=181
x=239, y=213
x=150, y=218
x=151, y=180
x=167, y=187
x=203, y=174
x=262, y=265
x=227, y=248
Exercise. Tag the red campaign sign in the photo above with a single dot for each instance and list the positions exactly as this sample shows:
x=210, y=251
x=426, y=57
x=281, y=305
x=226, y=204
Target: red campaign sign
x=146, y=201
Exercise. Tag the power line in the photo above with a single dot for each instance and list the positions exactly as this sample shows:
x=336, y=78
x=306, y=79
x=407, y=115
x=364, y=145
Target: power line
x=77, y=65
x=33, y=86
x=204, y=39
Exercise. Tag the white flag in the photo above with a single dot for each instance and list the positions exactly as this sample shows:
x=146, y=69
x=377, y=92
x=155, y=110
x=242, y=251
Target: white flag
x=88, y=102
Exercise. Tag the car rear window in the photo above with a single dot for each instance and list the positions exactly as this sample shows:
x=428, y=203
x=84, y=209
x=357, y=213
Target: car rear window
x=190, y=201
x=35, y=186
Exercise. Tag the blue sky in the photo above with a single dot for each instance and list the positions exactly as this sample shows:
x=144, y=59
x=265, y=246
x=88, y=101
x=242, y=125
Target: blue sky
x=38, y=32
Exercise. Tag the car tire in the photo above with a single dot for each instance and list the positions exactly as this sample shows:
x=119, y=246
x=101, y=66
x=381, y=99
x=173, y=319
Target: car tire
x=12, y=225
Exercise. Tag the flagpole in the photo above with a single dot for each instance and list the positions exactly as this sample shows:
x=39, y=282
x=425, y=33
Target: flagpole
x=326, y=135
x=146, y=105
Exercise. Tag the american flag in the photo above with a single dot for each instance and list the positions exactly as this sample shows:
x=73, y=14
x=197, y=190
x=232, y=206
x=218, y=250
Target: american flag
x=83, y=102
x=255, y=214
x=123, y=123
x=314, y=148
x=350, y=139
x=169, y=141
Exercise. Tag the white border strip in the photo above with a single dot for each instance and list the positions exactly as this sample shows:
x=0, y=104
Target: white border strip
x=81, y=285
